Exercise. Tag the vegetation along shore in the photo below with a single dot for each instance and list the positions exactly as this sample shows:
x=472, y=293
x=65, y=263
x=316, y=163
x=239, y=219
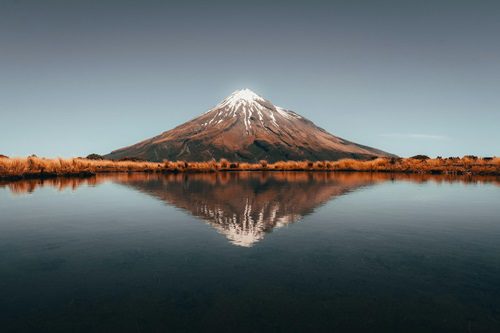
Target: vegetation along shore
x=36, y=167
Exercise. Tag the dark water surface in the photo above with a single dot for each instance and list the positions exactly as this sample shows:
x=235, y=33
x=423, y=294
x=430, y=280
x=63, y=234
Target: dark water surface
x=305, y=252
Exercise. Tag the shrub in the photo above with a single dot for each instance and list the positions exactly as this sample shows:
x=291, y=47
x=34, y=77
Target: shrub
x=320, y=165
x=420, y=157
x=224, y=163
x=263, y=163
x=95, y=157
x=212, y=165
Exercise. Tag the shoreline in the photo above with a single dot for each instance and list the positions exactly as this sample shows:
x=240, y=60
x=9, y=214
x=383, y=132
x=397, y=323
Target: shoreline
x=83, y=175
x=41, y=168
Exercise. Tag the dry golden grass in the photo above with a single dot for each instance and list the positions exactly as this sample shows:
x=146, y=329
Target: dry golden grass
x=33, y=167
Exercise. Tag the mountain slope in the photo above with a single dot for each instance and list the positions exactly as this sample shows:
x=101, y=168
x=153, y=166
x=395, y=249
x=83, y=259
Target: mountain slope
x=246, y=127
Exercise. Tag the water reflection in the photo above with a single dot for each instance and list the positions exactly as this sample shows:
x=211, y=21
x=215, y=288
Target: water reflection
x=243, y=206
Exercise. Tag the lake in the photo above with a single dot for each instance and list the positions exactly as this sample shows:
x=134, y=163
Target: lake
x=250, y=251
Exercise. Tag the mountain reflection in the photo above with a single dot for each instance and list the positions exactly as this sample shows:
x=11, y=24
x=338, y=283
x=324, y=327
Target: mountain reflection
x=243, y=206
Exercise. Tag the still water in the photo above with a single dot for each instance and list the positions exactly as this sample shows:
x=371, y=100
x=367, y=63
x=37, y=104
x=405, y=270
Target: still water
x=281, y=252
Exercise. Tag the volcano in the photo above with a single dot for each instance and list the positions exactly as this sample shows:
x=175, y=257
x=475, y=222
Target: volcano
x=246, y=127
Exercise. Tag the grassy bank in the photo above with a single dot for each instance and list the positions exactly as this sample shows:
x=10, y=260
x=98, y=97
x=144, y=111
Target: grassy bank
x=35, y=167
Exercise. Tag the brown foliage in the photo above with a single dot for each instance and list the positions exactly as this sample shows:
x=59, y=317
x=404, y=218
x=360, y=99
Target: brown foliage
x=34, y=166
x=224, y=163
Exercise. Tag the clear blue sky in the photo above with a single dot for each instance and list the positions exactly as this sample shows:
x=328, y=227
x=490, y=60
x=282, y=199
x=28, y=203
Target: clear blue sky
x=408, y=77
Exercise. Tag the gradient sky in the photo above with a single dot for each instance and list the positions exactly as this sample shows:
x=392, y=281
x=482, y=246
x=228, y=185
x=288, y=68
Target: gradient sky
x=408, y=77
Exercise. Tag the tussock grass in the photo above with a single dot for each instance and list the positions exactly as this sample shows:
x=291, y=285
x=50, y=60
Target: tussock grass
x=35, y=167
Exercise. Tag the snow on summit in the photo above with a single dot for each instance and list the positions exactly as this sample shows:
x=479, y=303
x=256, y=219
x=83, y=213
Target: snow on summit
x=244, y=94
x=250, y=108
x=240, y=98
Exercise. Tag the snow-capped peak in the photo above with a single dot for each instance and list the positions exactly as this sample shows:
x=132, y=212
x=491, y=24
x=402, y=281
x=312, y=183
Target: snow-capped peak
x=250, y=108
x=245, y=94
x=241, y=97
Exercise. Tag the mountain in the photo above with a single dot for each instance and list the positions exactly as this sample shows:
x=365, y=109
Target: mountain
x=247, y=127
